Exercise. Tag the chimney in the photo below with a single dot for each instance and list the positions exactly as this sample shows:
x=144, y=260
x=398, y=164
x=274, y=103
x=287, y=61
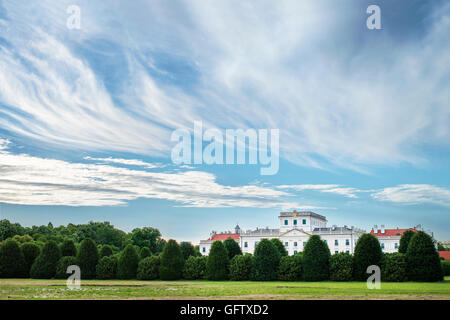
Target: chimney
x=375, y=229
x=382, y=228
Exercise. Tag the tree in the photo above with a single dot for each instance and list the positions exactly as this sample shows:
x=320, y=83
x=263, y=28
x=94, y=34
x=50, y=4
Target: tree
x=68, y=249
x=217, y=262
x=394, y=267
x=9, y=230
x=44, y=267
x=145, y=252
x=240, y=267
x=290, y=268
x=105, y=251
x=187, y=249
x=316, y=259
x=148, y=268
x=341, y=267
x=128, y=263
x=172, y=261
x=61, y=266
x=280, y=247
x=422, y=258
x=404, y=240
x=12, y=261
x=367, y=252
x=195, y=268
x=30, y=253
x=106, y=268
x=265, y=261
x=88, y=259
x=146, y=237
x=232, y=247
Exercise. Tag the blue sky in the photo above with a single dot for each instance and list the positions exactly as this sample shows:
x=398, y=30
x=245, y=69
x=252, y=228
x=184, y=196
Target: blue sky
x=86, y=115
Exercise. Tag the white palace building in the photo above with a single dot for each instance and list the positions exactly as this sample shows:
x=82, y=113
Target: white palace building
x=296, y=228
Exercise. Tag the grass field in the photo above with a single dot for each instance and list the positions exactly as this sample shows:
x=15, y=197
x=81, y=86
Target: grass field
x=102, y=289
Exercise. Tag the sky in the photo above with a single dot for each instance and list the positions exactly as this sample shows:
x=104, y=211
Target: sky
x=87, y=114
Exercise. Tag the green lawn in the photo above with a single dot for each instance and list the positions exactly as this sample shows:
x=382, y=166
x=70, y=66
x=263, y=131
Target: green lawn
x=102, y=289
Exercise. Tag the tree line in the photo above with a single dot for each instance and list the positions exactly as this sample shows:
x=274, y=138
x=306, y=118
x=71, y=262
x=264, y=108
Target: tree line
x=417, y=260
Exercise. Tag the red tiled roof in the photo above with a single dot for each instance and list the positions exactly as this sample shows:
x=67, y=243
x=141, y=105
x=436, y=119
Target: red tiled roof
x=391, y=232
x=225, y=236
x=444, y=254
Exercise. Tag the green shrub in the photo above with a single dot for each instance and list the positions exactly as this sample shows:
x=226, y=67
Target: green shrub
x=232, y=247
x=128, y=263
x=61, y=266
x=394, y=267
x=217, y=262
x=107, y=268
x=422, y=258
x=240, y=267
x=341, y=267
x=316, y=259
x=30, y=253
x=145, y=252
x=404, y=241
x=280, y=247
x=68, y=249
x=148, y=268
x=12, y=261
x=367, y=252
x=290, y=268
x=265, y=261
x=172, y=261
x=87, y=259
x=105, y=251
x=187, y=249
x=446, y=267
x=195, y=268
x=44, y=267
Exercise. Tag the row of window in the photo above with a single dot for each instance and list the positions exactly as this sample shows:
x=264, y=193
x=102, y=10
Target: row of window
x=286, y=244
x=286, y=222
x=395, y=245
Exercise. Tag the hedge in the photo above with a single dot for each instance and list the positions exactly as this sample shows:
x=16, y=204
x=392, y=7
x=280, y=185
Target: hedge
x=445, y=267
x=44, y=267
x=341, y=267
x=61, y=266
x=12, y=261
x=240, y=267
x=290, y=268
x=217, y=262
x=316, y=259
x=30, y=252
x=232, y=247
x=195, y=268
x=128, y=263
x=87, y=259
x=172, y=261
x=68, y=249
x=404, y=240
x=148, y=268
x=280, y=247
x=423, y=263
x=107, y=268
x=144, y=253
x=265, y=261
x=394, y=267
x=105, y=251
x=367, y=252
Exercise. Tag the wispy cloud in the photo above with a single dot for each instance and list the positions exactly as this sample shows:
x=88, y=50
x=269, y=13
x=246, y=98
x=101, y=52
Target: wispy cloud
x=327, y=188
x=128, y=162
x=411, y=194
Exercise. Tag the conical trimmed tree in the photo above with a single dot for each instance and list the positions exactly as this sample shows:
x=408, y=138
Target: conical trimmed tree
x=265, y=262
x=280, y=247
x=68, y=249
x=172, y=261
x=423, y=263
x=232, y=247
x=105, y=251
x=367, y=252
x=128, y=263
x=316, y=260
x=87, y=259
x=30, y=252
x=44, y=267
x=217, y=263
x=12, y=262
x=144, y=253
x=404, y=241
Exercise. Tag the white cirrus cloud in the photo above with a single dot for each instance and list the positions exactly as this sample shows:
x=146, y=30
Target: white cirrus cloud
x=327, y=188
x=127, y=162
x=411, y=194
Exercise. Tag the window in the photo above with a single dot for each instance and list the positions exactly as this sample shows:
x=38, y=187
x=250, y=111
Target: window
x=285, y=222
x=295, y=244
x=396, y=245
x=336, y=252
x=382, y=246
x=348, y=251
x=295, y=222
x=336, y=242
x=286, y=244
x=325, y=241
x=256, y=243
x=304, y=221
x=295, y=252
x=204, y=249
x=304, y=243
x=347, y=242
x=245, y=244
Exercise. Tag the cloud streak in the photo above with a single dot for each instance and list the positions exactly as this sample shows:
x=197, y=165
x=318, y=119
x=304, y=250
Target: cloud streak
x=413, y=194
